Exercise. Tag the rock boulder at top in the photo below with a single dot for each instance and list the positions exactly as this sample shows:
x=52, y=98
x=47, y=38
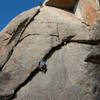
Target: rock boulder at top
x=69, y=47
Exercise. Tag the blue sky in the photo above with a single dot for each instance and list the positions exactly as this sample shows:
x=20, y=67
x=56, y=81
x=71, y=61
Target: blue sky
x=11, y=8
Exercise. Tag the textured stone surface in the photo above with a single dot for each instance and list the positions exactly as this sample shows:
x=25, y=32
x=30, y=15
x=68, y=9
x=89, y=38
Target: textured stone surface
x=68, y=82
x=70, y=48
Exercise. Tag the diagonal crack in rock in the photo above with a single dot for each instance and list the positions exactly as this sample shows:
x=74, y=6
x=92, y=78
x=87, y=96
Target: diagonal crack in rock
x=35, y=71
x=14, y=40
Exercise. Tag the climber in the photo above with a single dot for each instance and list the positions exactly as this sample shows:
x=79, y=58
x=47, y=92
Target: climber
x=40, y=5
x=42, y=66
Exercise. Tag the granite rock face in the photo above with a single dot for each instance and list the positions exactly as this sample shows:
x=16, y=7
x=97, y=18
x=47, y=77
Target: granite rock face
x=69, y=44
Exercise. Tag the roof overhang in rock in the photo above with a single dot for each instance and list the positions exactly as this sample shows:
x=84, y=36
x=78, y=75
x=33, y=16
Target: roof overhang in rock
x=63, y=4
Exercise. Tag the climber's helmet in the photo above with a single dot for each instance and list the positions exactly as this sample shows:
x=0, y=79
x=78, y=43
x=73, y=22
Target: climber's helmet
x=42, y=62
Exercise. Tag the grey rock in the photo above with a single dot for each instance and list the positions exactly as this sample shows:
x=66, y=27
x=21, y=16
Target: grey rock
x=65, y=77
x=69, y=47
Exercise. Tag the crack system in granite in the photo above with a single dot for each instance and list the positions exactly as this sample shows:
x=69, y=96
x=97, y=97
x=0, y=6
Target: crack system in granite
x=47, y=56
x=18, y=33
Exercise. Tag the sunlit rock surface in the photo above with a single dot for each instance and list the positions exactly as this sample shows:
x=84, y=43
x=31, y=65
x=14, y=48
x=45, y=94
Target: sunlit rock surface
x=67, y=42
x=87, y=10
